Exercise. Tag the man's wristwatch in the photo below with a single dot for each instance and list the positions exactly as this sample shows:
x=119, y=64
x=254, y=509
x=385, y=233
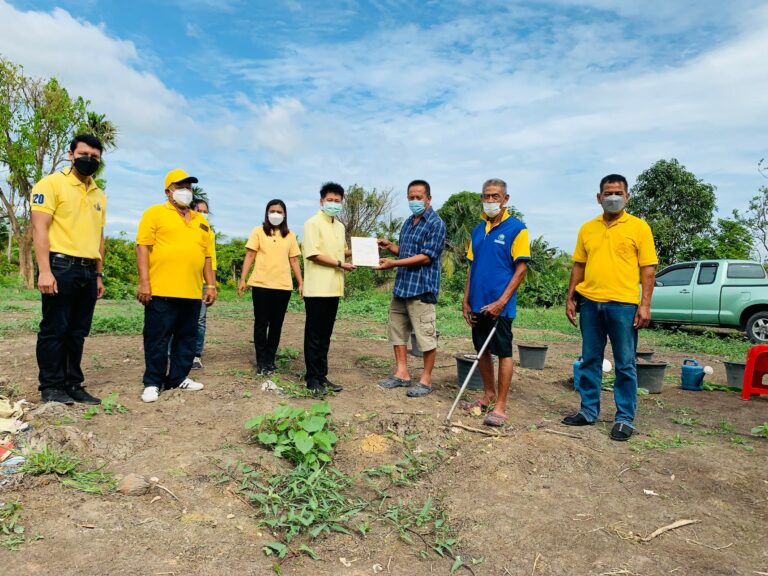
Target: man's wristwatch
x=338, y=263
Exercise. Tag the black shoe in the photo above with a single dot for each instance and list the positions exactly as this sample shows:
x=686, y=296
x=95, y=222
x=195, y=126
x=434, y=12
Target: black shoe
x=81, y=396
x=317, y=390
x=621, y=432
x=261, y=371
x=270, y=369
x=577, y=419
x=56, y=395
x=331, y=386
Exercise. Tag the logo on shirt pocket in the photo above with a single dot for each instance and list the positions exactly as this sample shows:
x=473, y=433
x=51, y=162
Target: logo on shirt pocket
x=499, y=239
x=97, y=207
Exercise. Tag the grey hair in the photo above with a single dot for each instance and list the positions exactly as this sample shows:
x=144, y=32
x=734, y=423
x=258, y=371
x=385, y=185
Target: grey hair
x=495, y=182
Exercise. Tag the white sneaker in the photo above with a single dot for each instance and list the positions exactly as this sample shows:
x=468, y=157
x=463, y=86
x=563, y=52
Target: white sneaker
x=190, y=384
x=150, y=394
x=197, y=363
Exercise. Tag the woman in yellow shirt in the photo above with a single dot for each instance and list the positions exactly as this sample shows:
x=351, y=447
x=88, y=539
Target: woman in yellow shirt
x=276, y=251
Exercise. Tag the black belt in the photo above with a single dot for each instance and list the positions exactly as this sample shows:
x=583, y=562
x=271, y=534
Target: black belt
x=74, y=259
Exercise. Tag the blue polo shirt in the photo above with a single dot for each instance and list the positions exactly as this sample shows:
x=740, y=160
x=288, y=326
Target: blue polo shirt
x=427, y=236
x=494, y=253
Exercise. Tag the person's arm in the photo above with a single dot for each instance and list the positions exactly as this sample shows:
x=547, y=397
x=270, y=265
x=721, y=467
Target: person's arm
x=210, y=282
x=466, y=310
x=100, y=269
x=385, y=244
x=324, y=260
x=577, y=276
x=250, y=256
x=294, y=260
x=46, y=282
x=495, y=309
x=144, y=294
x=647, y=279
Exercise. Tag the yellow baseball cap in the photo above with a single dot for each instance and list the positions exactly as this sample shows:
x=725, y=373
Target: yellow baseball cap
x=178, y=176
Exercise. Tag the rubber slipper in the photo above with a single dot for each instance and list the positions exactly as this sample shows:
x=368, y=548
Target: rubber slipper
x=493, y=419
x=392, y=381
x=621, y=432
x=465, y=405
x=419, y=390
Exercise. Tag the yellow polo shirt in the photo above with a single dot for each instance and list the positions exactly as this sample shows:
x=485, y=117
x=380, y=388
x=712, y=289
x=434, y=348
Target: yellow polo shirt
x=323, y=235
x=178, y=250
x=79, y=213
x=613, y=254
x=273, y=267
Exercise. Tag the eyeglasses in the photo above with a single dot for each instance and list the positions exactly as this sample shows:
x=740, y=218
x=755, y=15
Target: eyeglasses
x=491, y=196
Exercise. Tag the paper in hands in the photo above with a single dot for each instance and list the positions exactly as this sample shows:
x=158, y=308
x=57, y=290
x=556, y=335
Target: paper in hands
x=365, y=251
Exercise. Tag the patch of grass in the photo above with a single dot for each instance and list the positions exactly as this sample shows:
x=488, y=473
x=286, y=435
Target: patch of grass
x=110, y=405
x=10, y=528
x=285, y=356
x=686, y=421
x=658, y=441
x=72, y=471
x=130, y=324
x=741, y=441
x=373, y=362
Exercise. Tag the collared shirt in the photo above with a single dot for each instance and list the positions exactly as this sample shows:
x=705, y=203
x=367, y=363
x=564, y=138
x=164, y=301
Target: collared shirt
x=273, y=253
x=324, y=235
x=613, y=254
x=79, y=213
x=178, y=250
x=427, y=236
x=494, y=251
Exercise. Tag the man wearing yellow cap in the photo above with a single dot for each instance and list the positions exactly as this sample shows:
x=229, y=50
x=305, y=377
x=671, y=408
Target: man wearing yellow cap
x=173, y=255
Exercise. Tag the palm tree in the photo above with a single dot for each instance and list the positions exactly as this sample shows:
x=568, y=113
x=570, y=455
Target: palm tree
x=103, y=129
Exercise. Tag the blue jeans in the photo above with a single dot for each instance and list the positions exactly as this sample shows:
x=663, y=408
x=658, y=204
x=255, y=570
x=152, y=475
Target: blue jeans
x=600, y=321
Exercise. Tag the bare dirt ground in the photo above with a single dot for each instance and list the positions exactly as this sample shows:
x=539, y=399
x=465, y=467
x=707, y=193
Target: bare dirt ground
x=530, y=502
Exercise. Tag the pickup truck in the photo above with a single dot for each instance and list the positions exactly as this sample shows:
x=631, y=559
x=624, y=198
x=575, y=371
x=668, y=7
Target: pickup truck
x=730, y=293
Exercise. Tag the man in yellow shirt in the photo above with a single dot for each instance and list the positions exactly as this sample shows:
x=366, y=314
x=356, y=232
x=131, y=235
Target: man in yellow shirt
x=325, y=250
x=173, y=255
x=68, y=216
x=614, y=254
x=201, y=206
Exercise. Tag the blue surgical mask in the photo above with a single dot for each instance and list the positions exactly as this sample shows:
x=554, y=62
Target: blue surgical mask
x=332, y=208
x=416, y=206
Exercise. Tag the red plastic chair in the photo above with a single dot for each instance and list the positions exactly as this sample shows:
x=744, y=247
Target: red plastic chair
x=757, y=366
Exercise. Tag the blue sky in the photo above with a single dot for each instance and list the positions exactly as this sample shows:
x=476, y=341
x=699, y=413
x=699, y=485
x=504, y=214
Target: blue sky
x=270, y=99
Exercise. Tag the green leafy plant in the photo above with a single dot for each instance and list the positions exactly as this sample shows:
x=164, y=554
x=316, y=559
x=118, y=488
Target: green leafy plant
x=686, y=421
x=90, y=412
x=285, y=356
x=110, y=405
x=657, y=441
x=298, y=435
x=761, y=430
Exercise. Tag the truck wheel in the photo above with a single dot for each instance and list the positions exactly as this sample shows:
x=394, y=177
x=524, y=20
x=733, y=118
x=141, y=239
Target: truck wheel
x=757, y=328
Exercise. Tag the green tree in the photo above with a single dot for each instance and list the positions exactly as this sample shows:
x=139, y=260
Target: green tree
x=549, y=270
x=461, y=213
x=755, y=219
x=229, y=261
x=678, y=207
x=37, y=121
x=363, y=209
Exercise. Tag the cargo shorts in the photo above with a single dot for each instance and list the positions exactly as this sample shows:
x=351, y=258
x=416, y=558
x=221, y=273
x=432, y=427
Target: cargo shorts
x=411, y=315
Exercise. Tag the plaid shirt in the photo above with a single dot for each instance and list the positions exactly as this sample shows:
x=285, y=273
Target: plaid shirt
x=427, y=236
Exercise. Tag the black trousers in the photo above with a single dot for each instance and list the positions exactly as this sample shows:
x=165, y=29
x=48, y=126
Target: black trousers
x=67, y=318
x=165, y=318
x=269, y=307
x=318, y=328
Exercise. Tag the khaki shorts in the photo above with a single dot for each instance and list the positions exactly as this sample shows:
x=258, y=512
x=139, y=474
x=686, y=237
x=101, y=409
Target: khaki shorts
x=412, y=315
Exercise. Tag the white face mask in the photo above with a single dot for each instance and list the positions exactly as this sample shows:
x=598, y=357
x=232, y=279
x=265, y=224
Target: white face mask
x=491, y=209
x=275, y=218
x=182, y=197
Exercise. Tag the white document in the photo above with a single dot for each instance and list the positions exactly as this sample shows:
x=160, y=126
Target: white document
x=365, y=251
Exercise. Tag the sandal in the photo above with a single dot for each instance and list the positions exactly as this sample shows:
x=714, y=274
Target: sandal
x=419, y=390
x=467, y=405
x=494, y=419
x=621, y=432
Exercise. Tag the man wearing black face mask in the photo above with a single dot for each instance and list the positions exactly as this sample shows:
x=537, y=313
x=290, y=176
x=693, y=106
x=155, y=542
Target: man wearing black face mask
x=68, y=215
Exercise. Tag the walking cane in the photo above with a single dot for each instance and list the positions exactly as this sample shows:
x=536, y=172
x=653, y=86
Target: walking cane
x=469, y=375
